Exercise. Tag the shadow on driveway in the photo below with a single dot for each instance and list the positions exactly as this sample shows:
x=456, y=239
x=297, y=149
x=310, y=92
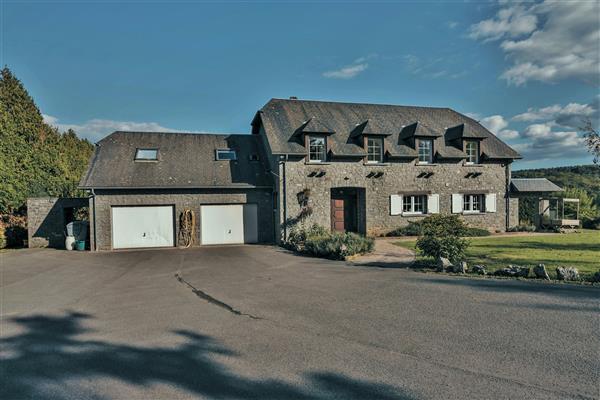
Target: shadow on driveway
x=567, y=291
x=48, y=351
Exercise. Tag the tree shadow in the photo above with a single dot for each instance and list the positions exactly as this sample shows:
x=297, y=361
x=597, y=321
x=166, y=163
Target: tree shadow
x=49, y=351
x=571, y=292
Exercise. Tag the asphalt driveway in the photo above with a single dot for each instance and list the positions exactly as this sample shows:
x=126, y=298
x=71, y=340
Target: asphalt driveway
x=256, y=322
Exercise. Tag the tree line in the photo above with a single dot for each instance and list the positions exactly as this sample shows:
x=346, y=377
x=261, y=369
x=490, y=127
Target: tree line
x=36, y=159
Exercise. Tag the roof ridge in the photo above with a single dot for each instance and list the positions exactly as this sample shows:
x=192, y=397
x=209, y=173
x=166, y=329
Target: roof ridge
x=356, y=103
x=184, y=133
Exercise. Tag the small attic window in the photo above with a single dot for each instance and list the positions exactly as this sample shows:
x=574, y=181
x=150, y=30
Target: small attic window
x=146, y=155
x=226, y=154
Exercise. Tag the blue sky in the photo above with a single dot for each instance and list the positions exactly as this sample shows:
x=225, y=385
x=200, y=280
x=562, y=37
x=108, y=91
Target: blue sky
x=530, y=72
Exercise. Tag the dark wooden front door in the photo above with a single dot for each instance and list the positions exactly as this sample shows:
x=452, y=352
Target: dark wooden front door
x=344, y=212
x=337, y=215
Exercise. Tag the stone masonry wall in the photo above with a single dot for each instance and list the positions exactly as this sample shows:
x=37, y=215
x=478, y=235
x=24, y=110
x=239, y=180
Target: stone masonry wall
x=399, y=176
x=182, y=199
x=46, y=222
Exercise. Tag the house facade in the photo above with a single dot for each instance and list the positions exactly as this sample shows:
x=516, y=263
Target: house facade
x=373, y=168
x=363, y=168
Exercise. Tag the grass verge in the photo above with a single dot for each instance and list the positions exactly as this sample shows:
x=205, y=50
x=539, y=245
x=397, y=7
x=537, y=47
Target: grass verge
x=580, y=250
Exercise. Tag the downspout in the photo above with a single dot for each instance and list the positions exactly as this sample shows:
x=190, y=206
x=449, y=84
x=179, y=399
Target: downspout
x=507, y=196
x=94, y=217
x=284, y=198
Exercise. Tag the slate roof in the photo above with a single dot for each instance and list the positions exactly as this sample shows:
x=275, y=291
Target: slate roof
x=282, y=119
x=185, y=161
x=533, y=185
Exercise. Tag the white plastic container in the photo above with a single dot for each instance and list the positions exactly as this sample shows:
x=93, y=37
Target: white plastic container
x=70, y=242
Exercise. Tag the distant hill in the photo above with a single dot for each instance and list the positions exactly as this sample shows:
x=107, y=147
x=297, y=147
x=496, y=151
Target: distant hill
x=586, y=177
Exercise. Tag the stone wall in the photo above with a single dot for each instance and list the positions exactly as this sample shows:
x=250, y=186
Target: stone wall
x=47, y=218
x=181, y=199
x=398, y=176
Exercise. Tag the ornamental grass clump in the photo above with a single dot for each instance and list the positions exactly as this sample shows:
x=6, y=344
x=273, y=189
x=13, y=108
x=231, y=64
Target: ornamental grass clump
x=442, y=236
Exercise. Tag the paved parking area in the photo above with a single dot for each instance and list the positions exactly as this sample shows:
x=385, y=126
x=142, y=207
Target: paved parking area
x=257, y=322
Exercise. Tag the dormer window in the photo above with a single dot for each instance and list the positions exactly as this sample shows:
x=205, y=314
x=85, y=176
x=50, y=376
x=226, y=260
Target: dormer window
x=317, y=149
x=146, y=155
x=472, y=150
x=425, y=151
x=226, y=155
x=374, y=150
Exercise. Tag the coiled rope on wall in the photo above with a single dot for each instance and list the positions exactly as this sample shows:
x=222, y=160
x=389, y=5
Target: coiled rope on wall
x=187, y=228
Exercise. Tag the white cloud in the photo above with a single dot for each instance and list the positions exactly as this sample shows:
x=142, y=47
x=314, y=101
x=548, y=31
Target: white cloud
x=508, y=134
x=512, y=21
x=429, y=68
x=96, y=129
x=548, y=41
x=347, y=72
x=545, y=143
x=494, y=123
x=452, y=24
x=350, y=71
x=571, y=115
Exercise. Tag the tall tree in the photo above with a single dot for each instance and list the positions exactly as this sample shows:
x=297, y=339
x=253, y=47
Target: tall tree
x=35, y=158
x=592, y=140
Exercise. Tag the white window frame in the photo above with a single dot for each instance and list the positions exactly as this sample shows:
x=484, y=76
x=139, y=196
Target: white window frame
x=429, y=159
x=469, y=160
x=139, y=157
x=218, y=153
x=374, y=143
x=321, y=156
x=469, y=201
x=411, y=201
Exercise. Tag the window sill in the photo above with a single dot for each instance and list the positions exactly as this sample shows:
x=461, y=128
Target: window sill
x=316, y=163
x=376, y=164
x=473, y=212
x=414, y=214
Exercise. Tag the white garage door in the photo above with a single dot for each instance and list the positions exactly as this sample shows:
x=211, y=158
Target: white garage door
x=229, y=224
x=142, y=227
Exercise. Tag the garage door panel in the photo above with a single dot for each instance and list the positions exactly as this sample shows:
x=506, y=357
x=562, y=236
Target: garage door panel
x=137, y=227
x=228, y=224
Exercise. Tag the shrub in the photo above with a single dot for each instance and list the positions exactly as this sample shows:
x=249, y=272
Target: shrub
x=450, y=247
x=472, y=232
x=412, y=229
x=319, y=242
x=522, y=228
x=592, y=224
x=442, y=225
x=13, y=230
x=2, y=237
x=442, y=237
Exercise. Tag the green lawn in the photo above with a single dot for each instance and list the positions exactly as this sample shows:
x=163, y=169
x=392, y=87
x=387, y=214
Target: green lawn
x=579, y=250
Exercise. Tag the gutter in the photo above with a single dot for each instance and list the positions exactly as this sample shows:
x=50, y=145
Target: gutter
x=94, y=217
x=507, y=196
x=172, y=187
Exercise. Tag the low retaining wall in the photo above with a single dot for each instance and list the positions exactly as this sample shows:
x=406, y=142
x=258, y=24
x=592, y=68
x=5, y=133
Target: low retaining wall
x=47, y=218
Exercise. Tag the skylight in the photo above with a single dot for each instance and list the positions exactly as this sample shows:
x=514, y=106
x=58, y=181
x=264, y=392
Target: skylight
x=226, y=154
x=146, y=155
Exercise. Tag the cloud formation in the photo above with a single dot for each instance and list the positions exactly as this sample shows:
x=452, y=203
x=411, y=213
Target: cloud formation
x=572, y=115
x=350, y=71
x=96, y=129
x=545, y=143
x=496, y=125
x=547, y=42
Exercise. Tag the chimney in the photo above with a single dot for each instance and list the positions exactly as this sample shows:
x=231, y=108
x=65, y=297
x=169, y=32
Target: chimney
x=293, y=98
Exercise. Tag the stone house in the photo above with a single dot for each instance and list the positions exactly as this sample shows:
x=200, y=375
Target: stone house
x=364, y=168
